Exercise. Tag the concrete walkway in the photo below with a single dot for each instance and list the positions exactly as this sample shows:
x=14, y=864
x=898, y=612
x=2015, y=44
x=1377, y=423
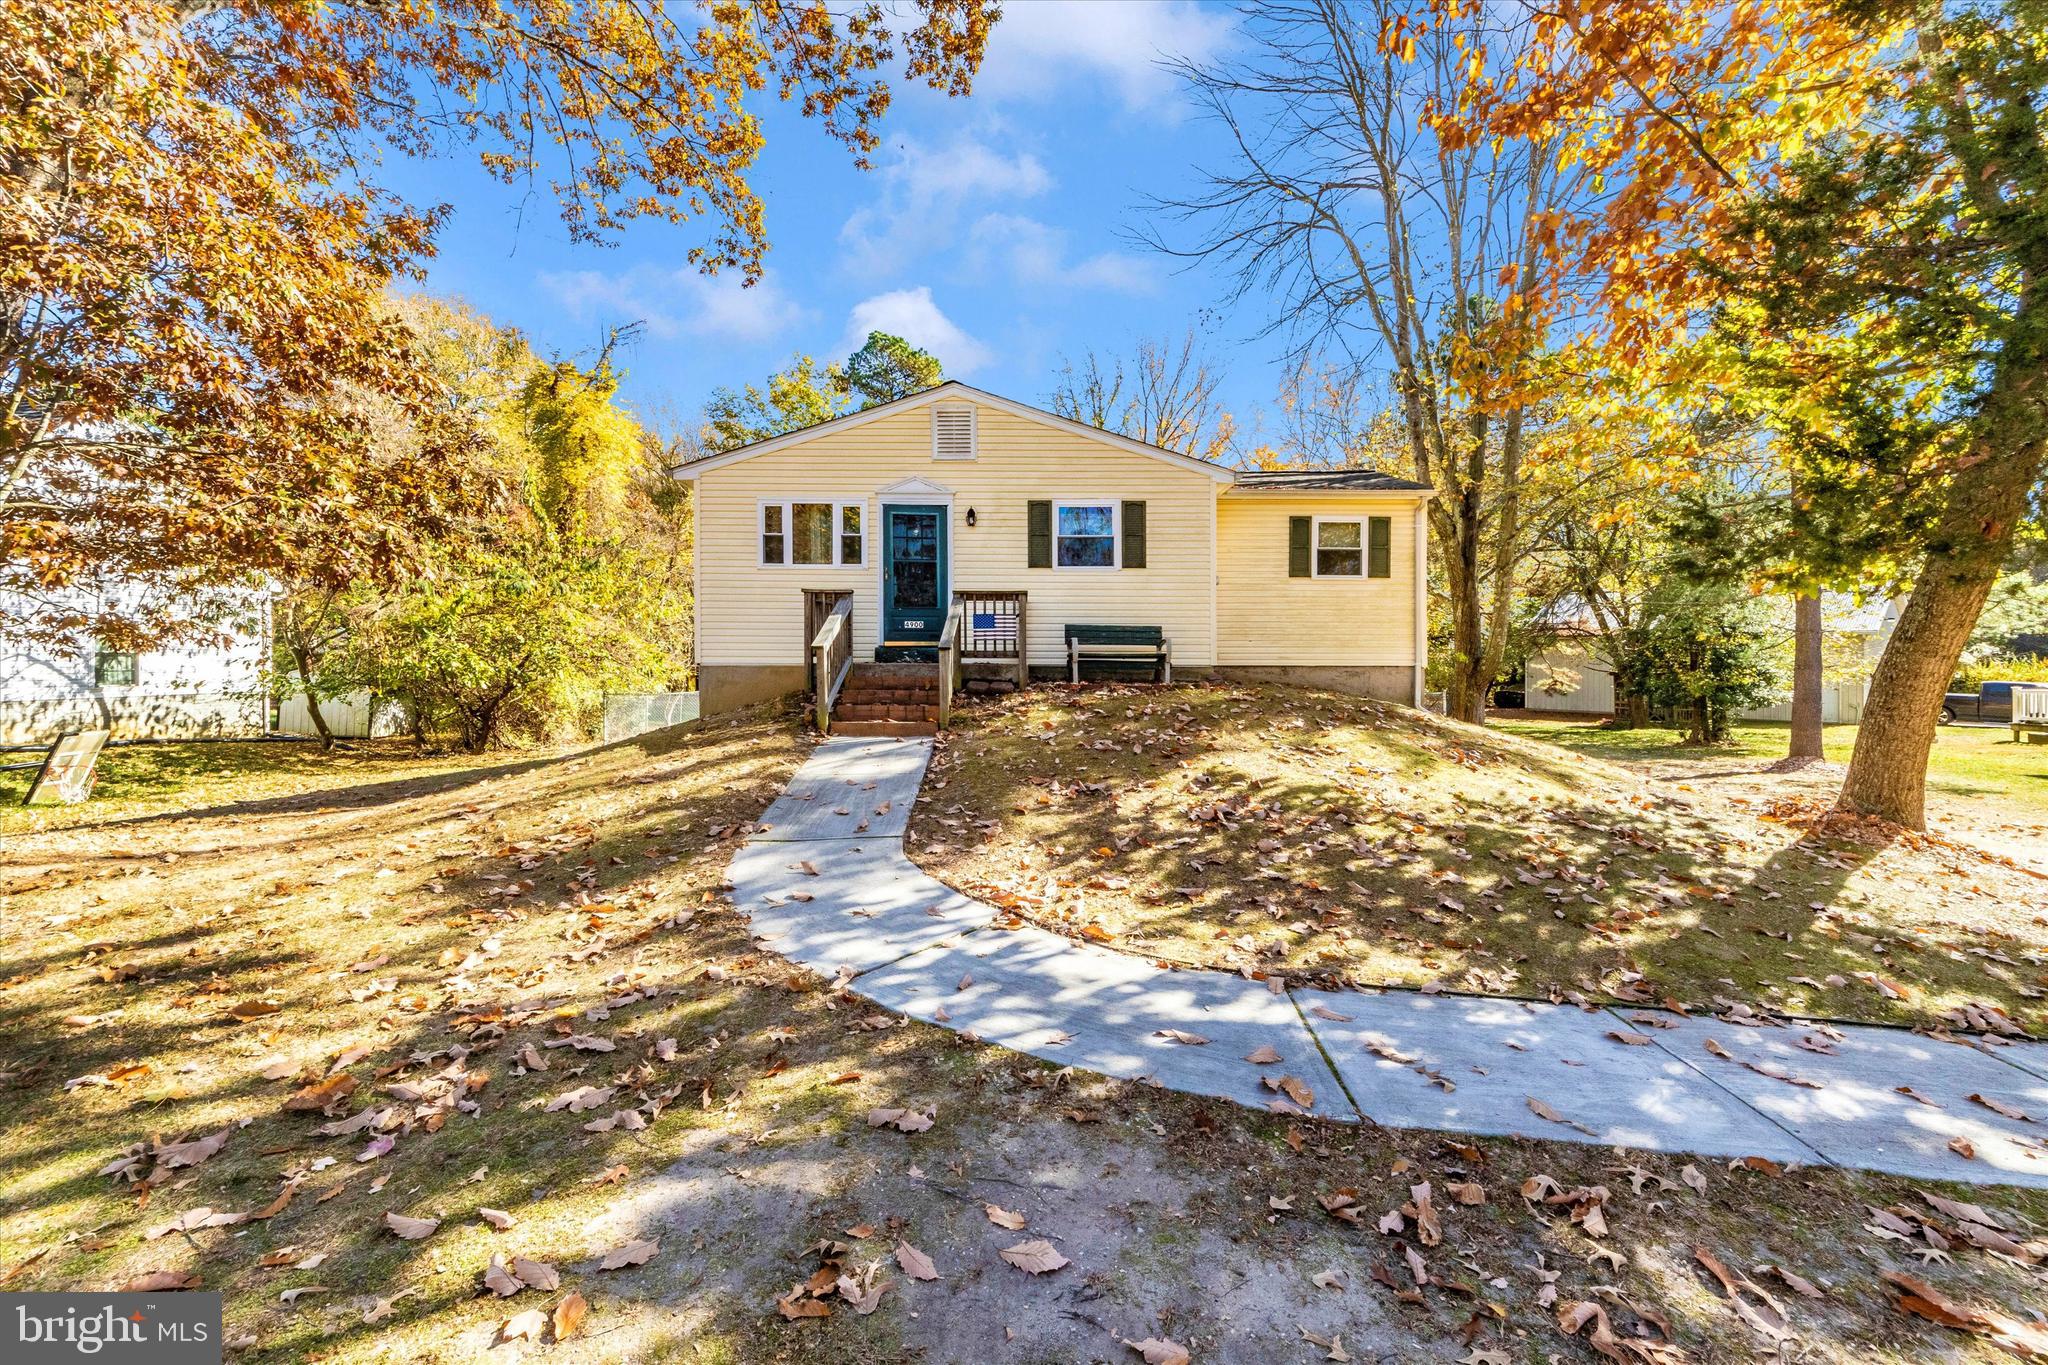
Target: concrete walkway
x=827, y=885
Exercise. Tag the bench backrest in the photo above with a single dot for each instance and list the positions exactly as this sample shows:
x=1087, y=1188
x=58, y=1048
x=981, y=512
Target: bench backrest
x=1117, y=635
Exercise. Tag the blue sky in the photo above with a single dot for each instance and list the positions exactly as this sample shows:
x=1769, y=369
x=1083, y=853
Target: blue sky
x=992, y=230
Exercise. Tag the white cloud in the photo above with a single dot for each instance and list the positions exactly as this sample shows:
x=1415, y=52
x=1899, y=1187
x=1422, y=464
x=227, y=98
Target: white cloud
x=677, y=303
x=1038, y=47
x=924, y=188
x=911, y=314
x=1032, y=252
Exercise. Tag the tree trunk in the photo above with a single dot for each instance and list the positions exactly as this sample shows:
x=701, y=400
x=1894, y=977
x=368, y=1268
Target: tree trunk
x=305, y=669
x=1888, y=769
x=1465, y=697
x=1806, y=679
x=1987, y=496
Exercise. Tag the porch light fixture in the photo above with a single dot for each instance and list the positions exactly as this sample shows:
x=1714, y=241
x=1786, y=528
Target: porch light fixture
x=970, y=516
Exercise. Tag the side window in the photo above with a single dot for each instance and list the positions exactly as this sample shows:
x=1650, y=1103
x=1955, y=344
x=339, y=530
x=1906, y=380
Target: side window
x=1340, y=548
x=114, y=668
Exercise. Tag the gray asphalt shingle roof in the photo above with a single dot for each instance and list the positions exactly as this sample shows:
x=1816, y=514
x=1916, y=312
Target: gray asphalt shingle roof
x=1341, y=480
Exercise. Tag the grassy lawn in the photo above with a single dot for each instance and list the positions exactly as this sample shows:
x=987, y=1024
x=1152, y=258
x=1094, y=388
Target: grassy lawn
x=1317, y=836
x=135, y=780
x=1980, y=762
x=364, y=985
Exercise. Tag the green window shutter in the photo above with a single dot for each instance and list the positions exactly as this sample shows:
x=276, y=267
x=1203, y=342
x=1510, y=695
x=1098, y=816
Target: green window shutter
x=1299, y=529
x=1040, y=524
x=1134, y=535
x=1379, y=541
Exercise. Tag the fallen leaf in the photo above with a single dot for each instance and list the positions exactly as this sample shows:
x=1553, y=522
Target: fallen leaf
x=1158, y=1352
x=915, y=1263
x=1264, y=1055
x=1749, y=1299
x=906, y=1120
x=795, y=1305
x=526, y=1326
x=1179, y=1036
x=411, y=1229
x=569, y=1315
x=500, y=1280
x=1037, y=1257
x=2002, y=1108
x=498, y=1218
x=632, y=1253
x=1003, y=1218
x=161, y=1281
x=536, y=1274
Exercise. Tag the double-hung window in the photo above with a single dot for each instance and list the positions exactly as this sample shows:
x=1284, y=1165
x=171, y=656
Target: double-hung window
x=1353, y=547
x=1085, y=535
x=813, y=533
x=1340, y=548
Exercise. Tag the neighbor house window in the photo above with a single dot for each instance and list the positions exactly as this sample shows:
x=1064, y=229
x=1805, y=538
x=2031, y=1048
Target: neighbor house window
x=1085, y=535
x=813, y=533
x=113, y=668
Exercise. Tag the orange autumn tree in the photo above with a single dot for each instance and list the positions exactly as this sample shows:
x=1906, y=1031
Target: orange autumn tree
x=1852, y=200
x=194, y=247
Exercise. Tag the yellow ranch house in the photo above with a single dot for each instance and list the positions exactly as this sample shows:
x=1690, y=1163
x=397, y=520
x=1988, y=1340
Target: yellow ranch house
x=955, y=538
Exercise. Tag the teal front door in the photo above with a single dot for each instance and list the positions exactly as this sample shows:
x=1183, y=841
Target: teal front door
x=913, y=576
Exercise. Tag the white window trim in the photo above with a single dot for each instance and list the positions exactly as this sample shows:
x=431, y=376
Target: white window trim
x=1315, y=548
x=1116, y=535
x=973, y=430
x=788, y=506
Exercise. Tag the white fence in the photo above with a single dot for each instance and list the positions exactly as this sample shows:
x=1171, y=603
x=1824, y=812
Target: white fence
x=2030, y=706
x=355, y=716
x=627, y=714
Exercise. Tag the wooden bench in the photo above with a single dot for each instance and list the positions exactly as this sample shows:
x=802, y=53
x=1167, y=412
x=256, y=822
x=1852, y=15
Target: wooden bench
x=1142, y=644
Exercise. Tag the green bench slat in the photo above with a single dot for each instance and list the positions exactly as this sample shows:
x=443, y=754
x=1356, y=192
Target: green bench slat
x=1118, y=635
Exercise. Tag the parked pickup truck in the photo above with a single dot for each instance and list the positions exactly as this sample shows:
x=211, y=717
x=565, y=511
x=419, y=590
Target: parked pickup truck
x=1993, y=701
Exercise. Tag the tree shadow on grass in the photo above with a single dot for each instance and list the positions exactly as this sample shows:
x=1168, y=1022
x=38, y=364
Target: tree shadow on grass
x=757, y=1050
x=1250, y=841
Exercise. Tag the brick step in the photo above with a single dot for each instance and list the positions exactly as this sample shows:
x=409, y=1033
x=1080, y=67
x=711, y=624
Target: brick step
x=913, y=703
x=880, y=729
x=886, y=695
x=917, y=713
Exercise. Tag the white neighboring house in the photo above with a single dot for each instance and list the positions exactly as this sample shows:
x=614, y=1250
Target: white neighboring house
x=179, y=692
x=1576, y=680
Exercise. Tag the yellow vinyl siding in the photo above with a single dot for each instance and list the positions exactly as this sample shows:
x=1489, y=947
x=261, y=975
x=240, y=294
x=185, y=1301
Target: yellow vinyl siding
x=1266, y=619
x=750, y=614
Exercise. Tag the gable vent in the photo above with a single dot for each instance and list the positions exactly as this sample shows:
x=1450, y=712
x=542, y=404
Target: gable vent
x=953, y=431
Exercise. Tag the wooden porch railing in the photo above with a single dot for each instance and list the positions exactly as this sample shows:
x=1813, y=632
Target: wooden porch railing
x=949, y=661
x=993, y=629
x=832, y=659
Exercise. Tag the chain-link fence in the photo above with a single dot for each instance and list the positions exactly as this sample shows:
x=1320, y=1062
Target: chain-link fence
x=635, y=713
